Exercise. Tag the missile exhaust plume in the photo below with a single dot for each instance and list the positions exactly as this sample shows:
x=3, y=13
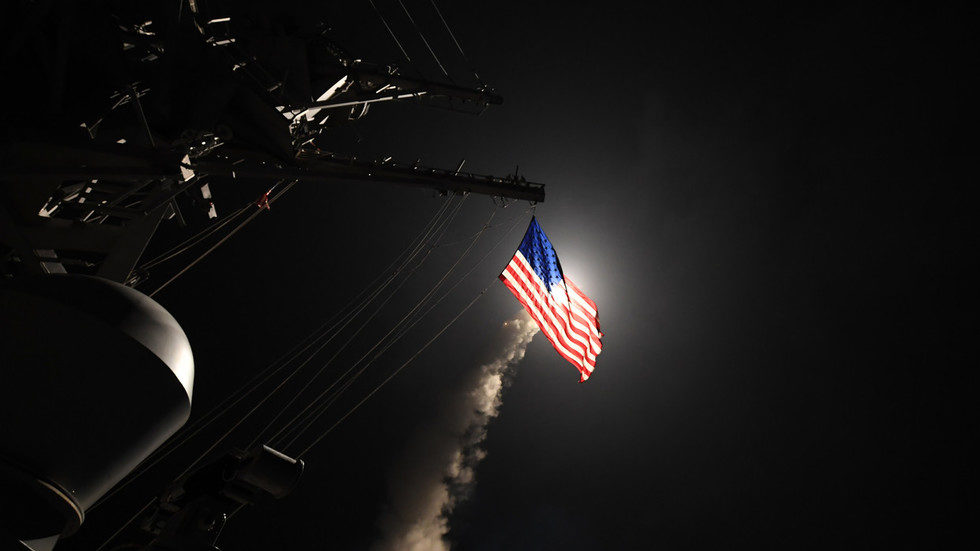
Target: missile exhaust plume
x=437, y=470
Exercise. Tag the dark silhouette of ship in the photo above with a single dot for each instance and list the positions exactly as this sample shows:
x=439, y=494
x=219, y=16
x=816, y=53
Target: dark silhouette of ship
x=123, y=118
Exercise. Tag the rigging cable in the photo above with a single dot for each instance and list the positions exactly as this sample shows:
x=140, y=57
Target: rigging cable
x=320, y=371
x=390, y=377
x=298, y=419
x=309, y=382
x=391, y=32
x=463, y=277
x=426, y=42
x=193, y=240
x=313, y=417
x=222, y=240
x=323, y=367
x=246, y=389
x=186, y=433
x=418, y=317
x=422, y=238
x=453, y=36
x=368, y=396
x=323, y=407
x=125, y=524
x=266, y=398
x=287, y=427
x=202, y=423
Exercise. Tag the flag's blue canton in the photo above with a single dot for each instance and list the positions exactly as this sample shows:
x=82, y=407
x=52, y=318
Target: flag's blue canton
x=539, y=253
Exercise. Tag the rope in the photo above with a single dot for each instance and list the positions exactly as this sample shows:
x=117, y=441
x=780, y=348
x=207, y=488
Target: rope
x=426, y=42
x=294, y=423
x=391, y=32
x=298, y=420
x=222, y=240
x=184, y=436
x=295, y=419
x=317, y=414
x=127, y=523
x=450, y=290
x=396, y=372
x=322, y=368
x=291, y=425
x=183, y=246
x=347, y=385
x=324, y=407
x=396, y=328
x=261, y=402
x=250, y=386
x=468, y=272
x=453, y=36
x=320, y=410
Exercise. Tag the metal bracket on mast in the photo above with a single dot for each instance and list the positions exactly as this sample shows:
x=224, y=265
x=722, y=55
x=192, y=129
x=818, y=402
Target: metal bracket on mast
x=321, y=167
x=368, y=83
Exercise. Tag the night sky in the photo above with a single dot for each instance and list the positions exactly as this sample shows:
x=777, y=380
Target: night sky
x=763, y=202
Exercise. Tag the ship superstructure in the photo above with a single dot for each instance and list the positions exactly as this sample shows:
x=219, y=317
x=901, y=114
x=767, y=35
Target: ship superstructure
x=126, y=118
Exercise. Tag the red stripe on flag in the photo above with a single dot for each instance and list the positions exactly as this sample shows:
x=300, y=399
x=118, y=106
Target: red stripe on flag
x=556, y=318
x=558, y=310
x=581, y=336
x=581, y=294
x=545, y=315
x=546, y=328
x=530, y=291
x=544, y=319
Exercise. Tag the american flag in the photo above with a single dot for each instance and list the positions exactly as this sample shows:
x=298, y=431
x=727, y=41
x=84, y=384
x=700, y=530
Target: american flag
x=564, y=314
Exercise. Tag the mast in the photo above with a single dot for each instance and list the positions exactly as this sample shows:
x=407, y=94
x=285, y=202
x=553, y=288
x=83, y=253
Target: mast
x=149, y=118
x=94, y=205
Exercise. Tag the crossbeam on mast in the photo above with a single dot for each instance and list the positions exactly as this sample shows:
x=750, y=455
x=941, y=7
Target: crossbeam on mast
x=328, y=168
x=402, y=88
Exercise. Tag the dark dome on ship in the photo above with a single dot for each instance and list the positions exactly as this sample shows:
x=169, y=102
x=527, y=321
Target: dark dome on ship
x=96, y=376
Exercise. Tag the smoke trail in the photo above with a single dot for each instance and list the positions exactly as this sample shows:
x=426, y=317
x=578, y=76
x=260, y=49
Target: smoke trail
x=437, y=470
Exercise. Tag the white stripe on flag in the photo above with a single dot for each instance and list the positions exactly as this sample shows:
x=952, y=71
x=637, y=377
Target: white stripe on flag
x=538, y=314
x=534, y=284
x=581, y=336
